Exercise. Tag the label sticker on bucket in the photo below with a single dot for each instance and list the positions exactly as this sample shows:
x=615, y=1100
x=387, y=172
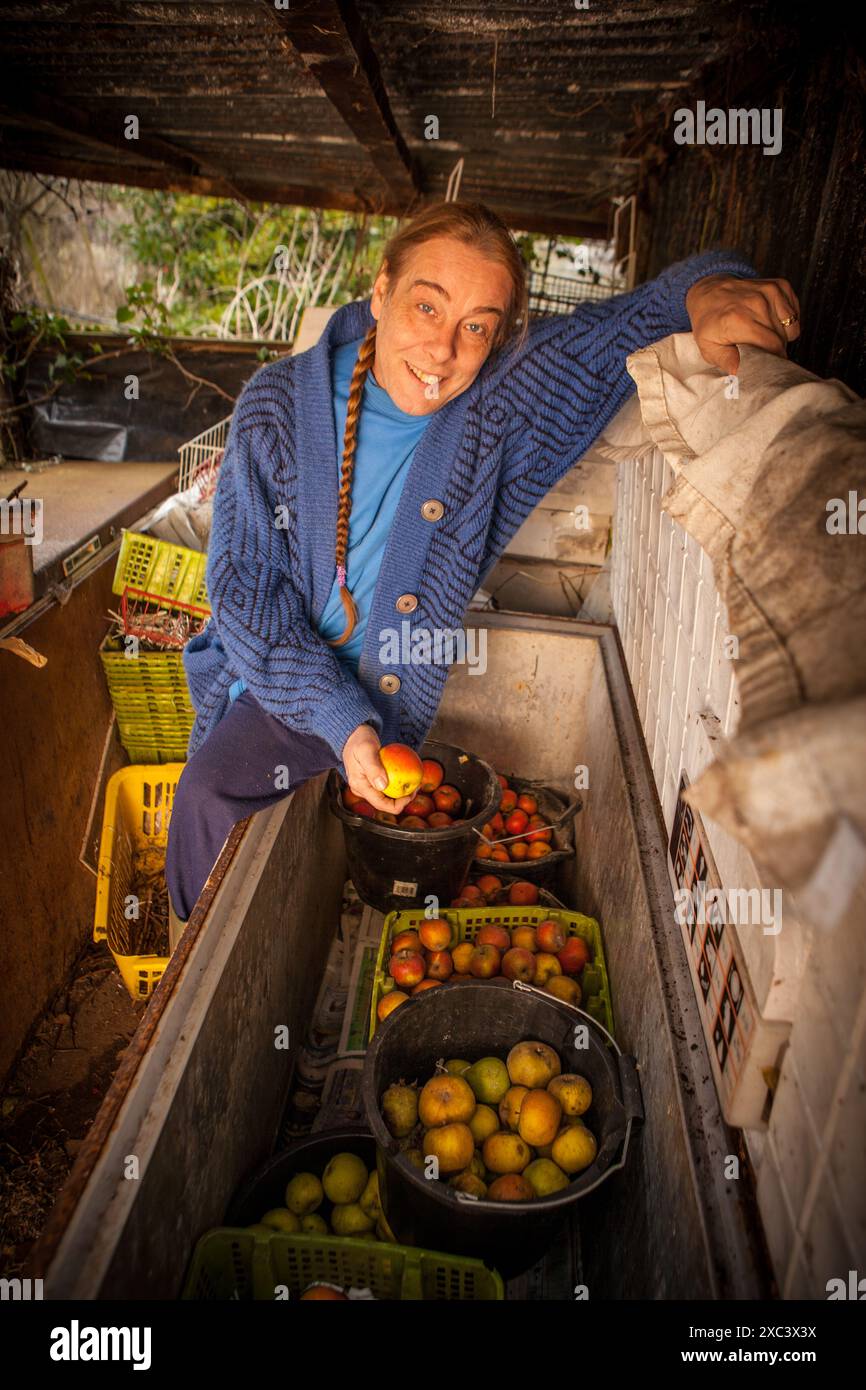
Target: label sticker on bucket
x=405, y=890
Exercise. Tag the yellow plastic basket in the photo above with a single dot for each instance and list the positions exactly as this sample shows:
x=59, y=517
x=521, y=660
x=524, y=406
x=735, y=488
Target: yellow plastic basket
x=171, y=572
x=138, y=802
x=465, y=924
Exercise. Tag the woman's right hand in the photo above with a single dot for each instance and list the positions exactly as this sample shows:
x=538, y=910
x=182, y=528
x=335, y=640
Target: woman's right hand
x=365, y=772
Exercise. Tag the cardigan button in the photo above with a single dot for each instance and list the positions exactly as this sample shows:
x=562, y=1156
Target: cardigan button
x=389, y=685
x=406, y=603
x=432, y=509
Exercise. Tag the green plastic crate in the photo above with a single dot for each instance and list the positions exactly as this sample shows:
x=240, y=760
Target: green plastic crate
x=466, y=922
x=151, y=700
x=170, y=572
x=232, y=1263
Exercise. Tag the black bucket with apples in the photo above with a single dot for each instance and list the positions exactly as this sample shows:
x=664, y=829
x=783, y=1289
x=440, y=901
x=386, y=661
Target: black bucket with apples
x=395, y=868
x=468, y=1022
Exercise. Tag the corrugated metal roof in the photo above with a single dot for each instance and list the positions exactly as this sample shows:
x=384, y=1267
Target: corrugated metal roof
x=327, y=102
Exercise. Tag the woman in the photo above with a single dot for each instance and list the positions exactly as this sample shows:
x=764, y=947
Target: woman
x=456, y=417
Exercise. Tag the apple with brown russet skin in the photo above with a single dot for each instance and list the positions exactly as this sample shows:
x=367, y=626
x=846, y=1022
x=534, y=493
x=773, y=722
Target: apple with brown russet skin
x=546, y=965
x=432, y=775
x=385, y=817
x=389, y=1002
x=508, y=802
x=439, y=820
x=407, y=968
x=412, y=823
x=461, y=956
x=566, y=988
x=440, y=966
x=550, y=936
x=429, y=983
x=524, y=937
x=574, y=955
x=519, y=964
x=490, y=935
x=538, y=850
x=447, y=798
x=485, y=962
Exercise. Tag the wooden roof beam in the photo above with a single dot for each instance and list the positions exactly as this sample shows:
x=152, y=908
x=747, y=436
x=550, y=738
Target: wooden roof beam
x=34, y=110
x=330, y=39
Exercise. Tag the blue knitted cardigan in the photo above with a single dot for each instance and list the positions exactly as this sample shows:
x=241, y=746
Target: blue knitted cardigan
x=489, y=456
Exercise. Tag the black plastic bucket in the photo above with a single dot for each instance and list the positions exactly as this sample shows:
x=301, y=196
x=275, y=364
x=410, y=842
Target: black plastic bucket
x=394, y=869
x=265, y=1187
x=479, y=1020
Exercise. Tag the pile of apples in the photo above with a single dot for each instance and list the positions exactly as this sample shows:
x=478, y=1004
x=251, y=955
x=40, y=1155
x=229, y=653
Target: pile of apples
x=518, y=824
x=543, y=955
x=435, y=804
x=343, y=1200
x=508, y=1130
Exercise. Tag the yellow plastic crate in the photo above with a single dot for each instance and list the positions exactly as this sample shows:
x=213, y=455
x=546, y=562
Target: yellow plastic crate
x=465, y=924
x=138, y=802
x=170, y=572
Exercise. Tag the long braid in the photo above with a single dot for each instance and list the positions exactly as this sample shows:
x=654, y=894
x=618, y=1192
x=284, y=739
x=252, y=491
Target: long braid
x=362, y=366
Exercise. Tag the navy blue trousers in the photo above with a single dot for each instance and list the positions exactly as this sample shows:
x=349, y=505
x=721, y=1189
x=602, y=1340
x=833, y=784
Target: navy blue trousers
x=230, y=777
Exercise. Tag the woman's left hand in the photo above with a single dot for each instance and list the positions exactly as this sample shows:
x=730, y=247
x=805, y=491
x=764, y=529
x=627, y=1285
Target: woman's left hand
x=725, y=310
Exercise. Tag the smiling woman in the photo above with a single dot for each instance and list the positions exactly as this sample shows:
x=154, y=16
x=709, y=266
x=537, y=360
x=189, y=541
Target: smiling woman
x=384, y=472
x=450, y=290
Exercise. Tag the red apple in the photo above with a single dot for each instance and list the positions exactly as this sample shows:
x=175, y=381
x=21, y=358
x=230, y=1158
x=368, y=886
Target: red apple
x=435, y=934
x=574, y=955
x=539, y=829
x=491, y=935
x=447, y=798
x=503, y=781
x=363, y=808
x=508, y=802
x=420, y=805
x=432, y=775
x=489, y=885
x=439, y=965
x=404, y=769
x=517, y=822
x=527, y=803
x=407, y=968
x=519, y=964
x=550, y=936
x=405, y=941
